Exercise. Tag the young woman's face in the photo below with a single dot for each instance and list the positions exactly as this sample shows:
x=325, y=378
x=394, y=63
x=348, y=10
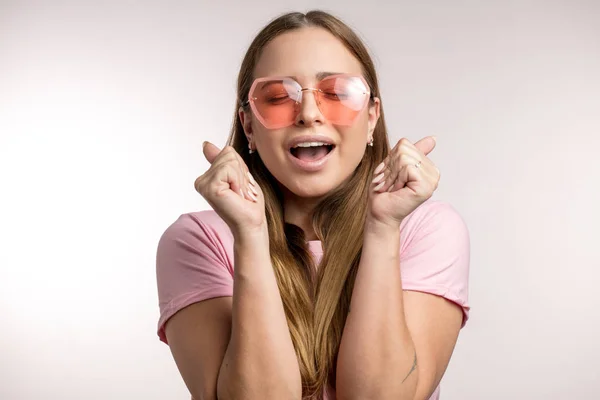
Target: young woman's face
x=303, y=54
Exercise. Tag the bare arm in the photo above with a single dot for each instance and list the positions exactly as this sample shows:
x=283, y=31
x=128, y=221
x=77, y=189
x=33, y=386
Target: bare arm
x=399, y=343
x=240, y=347
x=377, y=357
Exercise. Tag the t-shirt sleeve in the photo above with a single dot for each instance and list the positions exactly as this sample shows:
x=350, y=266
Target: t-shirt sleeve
x=192, y=264
x=435, y=253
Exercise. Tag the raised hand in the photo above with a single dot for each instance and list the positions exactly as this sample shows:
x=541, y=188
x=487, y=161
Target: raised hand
x=402, y=182
x=231, y=190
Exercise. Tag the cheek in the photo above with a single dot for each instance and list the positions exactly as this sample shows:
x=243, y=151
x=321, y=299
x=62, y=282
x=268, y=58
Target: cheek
x=271, y=152
x=350, y=155
x=354, y=143
x=269, y=142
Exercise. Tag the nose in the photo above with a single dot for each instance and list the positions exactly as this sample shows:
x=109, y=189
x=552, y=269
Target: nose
x=309, y=113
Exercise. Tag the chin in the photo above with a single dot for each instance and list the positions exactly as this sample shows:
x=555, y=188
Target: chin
x=313, y=193
x=313, y=187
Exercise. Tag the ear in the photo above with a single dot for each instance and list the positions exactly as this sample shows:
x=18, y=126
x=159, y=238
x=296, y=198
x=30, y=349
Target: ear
x=246, y=120
x=374, y=111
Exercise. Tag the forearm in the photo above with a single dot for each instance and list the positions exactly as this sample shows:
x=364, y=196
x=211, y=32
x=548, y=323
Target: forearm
x=260, y=361
x=377, y=358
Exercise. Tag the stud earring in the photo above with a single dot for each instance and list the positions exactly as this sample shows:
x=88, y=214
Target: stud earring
x=250, y=151
x=370, y=142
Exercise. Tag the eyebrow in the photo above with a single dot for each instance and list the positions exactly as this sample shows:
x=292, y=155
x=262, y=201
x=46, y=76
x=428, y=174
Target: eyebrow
x=319, y=75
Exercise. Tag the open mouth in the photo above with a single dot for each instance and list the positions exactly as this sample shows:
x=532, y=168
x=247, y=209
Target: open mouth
x=311, y=153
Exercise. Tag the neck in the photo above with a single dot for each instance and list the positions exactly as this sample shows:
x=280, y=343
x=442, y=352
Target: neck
x=299, y=211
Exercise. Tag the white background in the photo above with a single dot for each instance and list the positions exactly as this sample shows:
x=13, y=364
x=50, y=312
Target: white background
x=103, y=110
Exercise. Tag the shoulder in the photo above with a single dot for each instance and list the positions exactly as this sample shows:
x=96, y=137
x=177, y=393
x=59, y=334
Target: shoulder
x=204, y=227
x=196, y=236
x=432, y=211
x=194, y=262
x=433, y=220
x=206, y=221
x=435, y=253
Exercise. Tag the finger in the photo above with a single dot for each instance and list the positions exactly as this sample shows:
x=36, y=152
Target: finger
x=395, y=167
x=247, y=189
x=427, y=166
x=250, y=185
x=406, y=147
x=416, y=182
x=253, y=195
x=234, y=178
x=210, y=151
x=199, y=183
x=404, y=176
x=426, y=145
x=253, y=185
x=380, y=174
x=227, y=155
x=231, y=157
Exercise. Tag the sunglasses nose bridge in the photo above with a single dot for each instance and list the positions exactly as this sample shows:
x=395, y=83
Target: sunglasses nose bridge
x=301, y=94
x=308, y=110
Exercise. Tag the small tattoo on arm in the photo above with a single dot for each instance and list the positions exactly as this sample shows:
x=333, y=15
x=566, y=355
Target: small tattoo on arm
x=414, y=366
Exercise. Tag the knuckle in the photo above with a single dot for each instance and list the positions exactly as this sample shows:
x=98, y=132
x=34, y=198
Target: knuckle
x=199, y=183
x=240, y=162
x=231, y=156
x=230, y=168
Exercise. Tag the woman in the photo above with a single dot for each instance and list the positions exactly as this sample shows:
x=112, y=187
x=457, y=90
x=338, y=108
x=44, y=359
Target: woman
x=350, y=283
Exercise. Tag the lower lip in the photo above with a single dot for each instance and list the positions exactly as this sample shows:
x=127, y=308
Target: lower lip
x=311, y=166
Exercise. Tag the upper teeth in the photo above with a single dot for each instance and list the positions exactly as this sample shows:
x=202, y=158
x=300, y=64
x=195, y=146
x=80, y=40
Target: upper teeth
x=311, y=144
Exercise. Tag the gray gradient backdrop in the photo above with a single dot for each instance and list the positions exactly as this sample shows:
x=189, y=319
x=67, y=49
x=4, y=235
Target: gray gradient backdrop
x=103, y=110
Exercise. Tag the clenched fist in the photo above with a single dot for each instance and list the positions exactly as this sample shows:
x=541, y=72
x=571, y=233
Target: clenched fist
x=231, y=190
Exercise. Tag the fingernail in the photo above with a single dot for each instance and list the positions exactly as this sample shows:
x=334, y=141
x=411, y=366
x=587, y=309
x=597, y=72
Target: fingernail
x=251, y=177
x=378, y=177
x=376, y=188
x=379, y=167
x=252, y=196
x=253, y=189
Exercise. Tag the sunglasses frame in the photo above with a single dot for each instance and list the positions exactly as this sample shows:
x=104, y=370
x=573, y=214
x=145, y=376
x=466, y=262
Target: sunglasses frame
x=250, y=100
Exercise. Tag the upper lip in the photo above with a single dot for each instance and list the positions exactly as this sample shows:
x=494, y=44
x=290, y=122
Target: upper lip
x=310, y=138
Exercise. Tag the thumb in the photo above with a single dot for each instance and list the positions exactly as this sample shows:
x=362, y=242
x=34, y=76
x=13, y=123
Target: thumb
x=210, y=151
x=426, y=145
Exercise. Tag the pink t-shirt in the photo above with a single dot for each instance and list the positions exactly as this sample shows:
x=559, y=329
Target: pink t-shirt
x=194, y=260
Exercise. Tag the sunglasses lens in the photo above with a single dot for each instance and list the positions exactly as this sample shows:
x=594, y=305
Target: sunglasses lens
x=275, y=101
x=340, y=99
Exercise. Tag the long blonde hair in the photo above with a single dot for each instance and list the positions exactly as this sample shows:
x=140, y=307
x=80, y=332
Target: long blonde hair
x=315, y=302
